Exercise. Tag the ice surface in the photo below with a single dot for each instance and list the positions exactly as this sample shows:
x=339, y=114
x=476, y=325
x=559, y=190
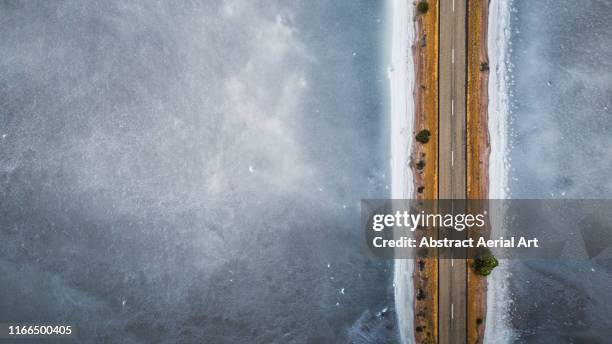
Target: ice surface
x=125, y=189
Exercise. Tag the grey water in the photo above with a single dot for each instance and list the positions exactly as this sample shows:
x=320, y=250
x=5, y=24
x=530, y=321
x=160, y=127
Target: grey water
x=190, y=171
x=561, y=147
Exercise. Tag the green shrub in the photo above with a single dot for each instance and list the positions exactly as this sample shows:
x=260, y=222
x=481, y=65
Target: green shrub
x=420, y=165
x=484, y=66
x=423, y=7
x=423, y=136
x=484, y=263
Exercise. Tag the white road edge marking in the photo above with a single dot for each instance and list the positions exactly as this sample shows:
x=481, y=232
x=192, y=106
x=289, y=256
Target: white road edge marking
x=453, y=5
x=452, y=311
x=452, y=262
x=453, y=56
x=452, y=107
x=452, y=158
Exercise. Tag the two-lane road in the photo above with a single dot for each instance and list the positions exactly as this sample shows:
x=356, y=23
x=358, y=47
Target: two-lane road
x=452, y=292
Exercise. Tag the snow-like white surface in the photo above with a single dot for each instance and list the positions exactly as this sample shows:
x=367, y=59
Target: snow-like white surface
x=401, y=83
x=498, y=300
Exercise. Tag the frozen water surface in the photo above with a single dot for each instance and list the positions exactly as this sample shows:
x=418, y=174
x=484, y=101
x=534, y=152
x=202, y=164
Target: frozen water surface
x=559, y=124
x=180, y=171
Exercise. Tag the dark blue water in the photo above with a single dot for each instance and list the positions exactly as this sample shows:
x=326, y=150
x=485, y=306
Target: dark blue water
x=191, y=171
x=560, y=123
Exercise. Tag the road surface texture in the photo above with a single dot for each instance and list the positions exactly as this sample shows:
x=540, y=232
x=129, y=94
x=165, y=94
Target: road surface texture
x=452, y=292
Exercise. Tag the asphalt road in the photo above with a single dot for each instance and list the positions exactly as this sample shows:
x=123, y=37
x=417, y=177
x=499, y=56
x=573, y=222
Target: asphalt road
x=452, y=292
